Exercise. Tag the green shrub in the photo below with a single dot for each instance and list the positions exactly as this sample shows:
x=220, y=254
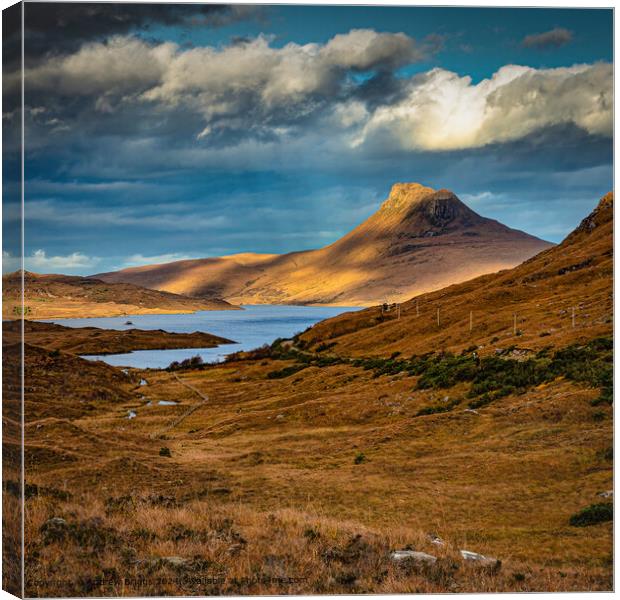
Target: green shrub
x=359, y=458
x=506, y=376
x=498, y=376
x=593, y=514
x=285, y=372
x=606, y=397
x=482, y=401
x=448, y=371
x=310, y=533
x=438, y=408
x=194, y=362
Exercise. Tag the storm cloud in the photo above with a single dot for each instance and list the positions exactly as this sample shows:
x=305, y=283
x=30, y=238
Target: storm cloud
x=254, y=89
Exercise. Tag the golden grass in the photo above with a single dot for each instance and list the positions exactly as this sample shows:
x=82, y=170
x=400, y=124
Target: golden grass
x=270, y=459
x=64, y=296
x=230, y=548
x=94, y=340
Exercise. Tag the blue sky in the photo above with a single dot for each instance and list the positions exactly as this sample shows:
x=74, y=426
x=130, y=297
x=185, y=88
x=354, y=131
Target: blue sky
x=159, y=133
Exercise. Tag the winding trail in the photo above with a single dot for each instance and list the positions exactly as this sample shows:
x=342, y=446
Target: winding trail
x=188, y=412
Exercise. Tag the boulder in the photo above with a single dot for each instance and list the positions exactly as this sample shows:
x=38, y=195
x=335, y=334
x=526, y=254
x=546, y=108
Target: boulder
x=412, y=555
x=480, y=560
x=436, y=540
x=54, y=530
x=175, y=561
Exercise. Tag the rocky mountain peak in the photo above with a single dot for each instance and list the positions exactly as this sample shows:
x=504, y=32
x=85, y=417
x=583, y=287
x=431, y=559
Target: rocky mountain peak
x=404, y=195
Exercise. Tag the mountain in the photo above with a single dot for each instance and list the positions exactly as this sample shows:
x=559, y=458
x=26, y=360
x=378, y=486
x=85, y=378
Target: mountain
x=58, y=296
x=419, y=240
x=543, y=292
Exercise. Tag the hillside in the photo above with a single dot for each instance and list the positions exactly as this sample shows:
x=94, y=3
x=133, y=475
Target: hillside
x=60, y=296
x=277, y=461
x=94, y=340
x=542, y=292
x=419, y=240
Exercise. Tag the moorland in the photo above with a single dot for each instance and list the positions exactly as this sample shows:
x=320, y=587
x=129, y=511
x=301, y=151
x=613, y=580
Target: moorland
x=477, y=417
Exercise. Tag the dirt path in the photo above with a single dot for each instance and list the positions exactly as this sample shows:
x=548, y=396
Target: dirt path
x=188, y=412
x=191, y=387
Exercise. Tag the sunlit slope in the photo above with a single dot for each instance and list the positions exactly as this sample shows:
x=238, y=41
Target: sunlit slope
x=419, y=240
x=539, y=296
x=60, y=296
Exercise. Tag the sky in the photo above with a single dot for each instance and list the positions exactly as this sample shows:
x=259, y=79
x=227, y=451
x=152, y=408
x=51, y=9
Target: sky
x=163, y=132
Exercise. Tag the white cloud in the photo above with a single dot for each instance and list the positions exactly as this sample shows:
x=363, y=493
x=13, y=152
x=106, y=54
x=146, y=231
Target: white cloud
x=137, y=260
x=229, y=81
x=121, y=64
x=10, y=263
x=444, y=111
x=267, y=93
x=40, y=262
x=480, y=198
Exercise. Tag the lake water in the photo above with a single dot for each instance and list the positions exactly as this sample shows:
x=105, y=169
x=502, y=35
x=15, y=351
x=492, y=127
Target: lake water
x=249, y=328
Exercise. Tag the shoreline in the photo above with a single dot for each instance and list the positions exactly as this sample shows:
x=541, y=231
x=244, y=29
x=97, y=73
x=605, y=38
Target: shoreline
x=94, y=341
x=128, y=315
x=236, y=307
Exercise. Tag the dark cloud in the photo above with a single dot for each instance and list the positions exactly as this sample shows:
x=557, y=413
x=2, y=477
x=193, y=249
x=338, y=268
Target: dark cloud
x=555, y=38
x=533, y=184
x=60, y=27
x=125, y=84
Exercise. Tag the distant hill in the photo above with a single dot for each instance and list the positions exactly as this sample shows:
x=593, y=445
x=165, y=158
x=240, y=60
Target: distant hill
x=94, y=340
x=419, y=240
x=542, y=293
x=58, y=296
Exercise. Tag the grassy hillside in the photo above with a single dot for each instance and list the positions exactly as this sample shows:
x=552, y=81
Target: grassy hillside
x=312, y=479
x=94, y=340
x=542, y=293
x=65, y=296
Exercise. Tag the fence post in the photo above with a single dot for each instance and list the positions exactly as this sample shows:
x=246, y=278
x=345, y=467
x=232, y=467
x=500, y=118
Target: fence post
x=514, y=326
x=471, y=320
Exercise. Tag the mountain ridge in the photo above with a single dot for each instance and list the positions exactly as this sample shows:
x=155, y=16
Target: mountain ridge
x=418, y=240
x=539, y=296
